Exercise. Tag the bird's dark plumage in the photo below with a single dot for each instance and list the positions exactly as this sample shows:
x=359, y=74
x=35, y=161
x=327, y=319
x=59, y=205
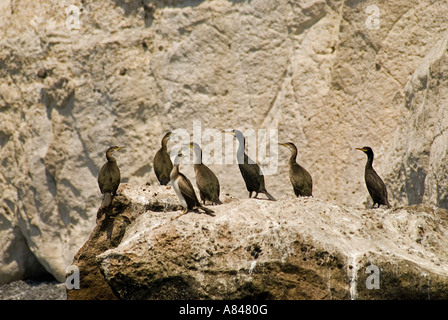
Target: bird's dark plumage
x=162, y=162
x=184, y=189
x=301, y=180
x=251, y=172
x=375, y=185
x=206, y=180
x=109, y=176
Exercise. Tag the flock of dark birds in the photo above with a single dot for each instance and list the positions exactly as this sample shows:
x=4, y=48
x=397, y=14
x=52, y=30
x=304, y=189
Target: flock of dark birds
x=208, y=184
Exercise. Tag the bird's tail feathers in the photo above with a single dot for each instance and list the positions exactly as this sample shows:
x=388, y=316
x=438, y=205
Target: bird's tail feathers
x=107, y=199
x=270, y=197
x=207, y=210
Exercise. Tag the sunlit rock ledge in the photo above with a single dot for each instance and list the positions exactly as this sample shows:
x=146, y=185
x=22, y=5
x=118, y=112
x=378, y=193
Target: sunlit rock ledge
x=293, y=248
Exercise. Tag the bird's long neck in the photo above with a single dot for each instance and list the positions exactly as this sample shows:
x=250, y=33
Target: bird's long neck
x=292, y=159
x=369, y=161
x=110, y=157
x=240, y=151
x=197, y=155
x=175, y=171
x=164, y=143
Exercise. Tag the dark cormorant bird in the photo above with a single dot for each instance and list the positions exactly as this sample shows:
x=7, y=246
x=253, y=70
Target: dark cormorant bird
x=184, y=189
x=109, y=177
x=375, y=185
x=162, y=162
x=301, y=180
x=206, y=180
x=251, y=172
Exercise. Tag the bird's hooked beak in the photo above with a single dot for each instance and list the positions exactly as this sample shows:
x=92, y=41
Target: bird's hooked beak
x=283, y=145
x=362, y=149
x=117, y=149
x=229, y=132
x=191, y=145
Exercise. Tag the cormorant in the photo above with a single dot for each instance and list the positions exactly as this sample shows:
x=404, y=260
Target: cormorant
x=251, y=172
x=375, y=185
x=109, y=177
x=301, y=180
x=162, y=162
x=206, y=180
x=184, y=189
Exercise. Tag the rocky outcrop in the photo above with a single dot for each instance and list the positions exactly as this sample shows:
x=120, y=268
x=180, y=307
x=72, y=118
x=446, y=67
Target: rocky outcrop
x=302, y=248
x=108, y=233
x=132, y=70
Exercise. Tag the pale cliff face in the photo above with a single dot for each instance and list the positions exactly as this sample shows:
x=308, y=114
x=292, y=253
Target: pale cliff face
x=313, y=70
